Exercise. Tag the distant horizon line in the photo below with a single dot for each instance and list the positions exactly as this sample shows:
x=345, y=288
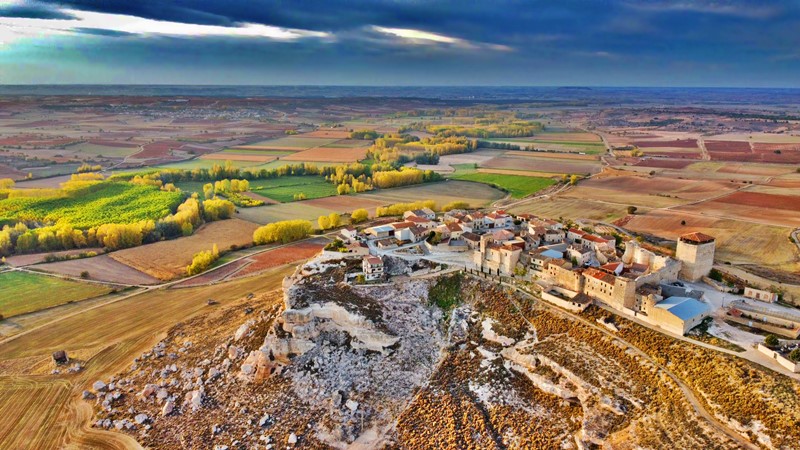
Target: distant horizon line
x=571, y=86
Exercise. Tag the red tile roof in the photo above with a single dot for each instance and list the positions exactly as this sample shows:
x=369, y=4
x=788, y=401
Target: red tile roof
x=697, y=237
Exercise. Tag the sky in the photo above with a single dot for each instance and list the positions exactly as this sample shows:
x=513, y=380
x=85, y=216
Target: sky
x=736, y=43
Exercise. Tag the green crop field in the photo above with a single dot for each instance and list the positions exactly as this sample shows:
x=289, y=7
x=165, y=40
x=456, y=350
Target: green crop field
x=283, y=189
x=518, y=186
x=22, y=292
x=108, y=203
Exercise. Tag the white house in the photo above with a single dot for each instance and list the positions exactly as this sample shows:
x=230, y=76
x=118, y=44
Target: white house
x=373, y=267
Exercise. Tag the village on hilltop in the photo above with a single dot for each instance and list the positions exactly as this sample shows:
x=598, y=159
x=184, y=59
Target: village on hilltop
x=571, y=267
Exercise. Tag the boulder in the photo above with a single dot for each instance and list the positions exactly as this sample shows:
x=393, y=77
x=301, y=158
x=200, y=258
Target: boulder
x=292, y=439
x=141, y=418
x=241, y=331
x=169, y=406
x=99, y=386
x=60, y=357
x=351, y=405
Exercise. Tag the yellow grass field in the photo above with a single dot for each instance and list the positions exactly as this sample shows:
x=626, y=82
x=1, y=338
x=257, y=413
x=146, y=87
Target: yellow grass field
x=737, y=241
x=46, y=411
x=167, y=260
x=571, y=208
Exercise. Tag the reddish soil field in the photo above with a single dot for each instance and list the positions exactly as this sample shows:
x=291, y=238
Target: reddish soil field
x=664, y=163
x=675, y=155
x=768, y=201
x=38, y=123
x=159, y=149
x=291, y=253
x=678, y=143
x=215, y=275
x=10, y=172
x=728, y=146
x=117, y=144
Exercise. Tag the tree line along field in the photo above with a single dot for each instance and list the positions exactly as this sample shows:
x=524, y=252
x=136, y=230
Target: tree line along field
x=106, y=203
x=22, y=292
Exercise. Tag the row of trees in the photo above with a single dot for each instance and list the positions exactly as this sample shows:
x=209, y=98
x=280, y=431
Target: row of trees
x=403, y=177
x=283, y=232
x=202, y=261
x=332, y=220
x=398, y=209
x=483, y=128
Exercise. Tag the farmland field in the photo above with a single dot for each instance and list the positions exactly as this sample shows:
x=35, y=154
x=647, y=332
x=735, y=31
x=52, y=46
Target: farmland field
x=292, y=253
x=110, y=203
x=245, y=151
x=47, y=409
x=738, y=241
x=199, y=163
x=283, y=211
x=104, y=150
x=283, y=189
x=765, y=208
x=100, y=268
x=166, y=260
x=542, y=164
x=254, y=157
x=290, y=143
x=340, y=155
x=571, y=208
x=476, y=194
x=518, y=186
x=22, y=292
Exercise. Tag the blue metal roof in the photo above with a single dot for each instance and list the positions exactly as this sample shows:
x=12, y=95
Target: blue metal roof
x=684, y=308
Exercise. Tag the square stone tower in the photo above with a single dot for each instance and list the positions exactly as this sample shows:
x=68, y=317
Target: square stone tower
x=696, y=254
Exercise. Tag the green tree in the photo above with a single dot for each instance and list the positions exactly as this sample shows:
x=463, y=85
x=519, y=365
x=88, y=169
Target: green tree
x=771, y=341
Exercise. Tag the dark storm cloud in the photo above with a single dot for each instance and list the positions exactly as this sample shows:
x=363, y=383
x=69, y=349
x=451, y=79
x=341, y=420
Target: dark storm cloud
x=502, y=41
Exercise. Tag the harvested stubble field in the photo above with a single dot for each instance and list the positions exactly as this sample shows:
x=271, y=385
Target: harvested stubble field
x=340, y=155
x=345, y=203
x=284, y=211
x=770, y=209
x=728, y=146
x=294, y=143
x=476, y=194
x=676, y=143
x=738, y=241
x=571, y=208
x=664, y=163
x=656, y=187
x=542, y=164
x=108, y=151
x=167, y=260
x=48, y=410
x=22, y=292
x=100, y=268
x=349, y=143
